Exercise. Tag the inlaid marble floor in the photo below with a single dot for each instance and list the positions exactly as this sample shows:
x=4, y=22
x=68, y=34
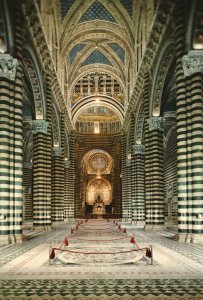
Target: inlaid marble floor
x=176, y=273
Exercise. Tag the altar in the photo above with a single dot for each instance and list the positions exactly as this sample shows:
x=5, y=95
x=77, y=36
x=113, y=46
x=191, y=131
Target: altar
x=99, y=207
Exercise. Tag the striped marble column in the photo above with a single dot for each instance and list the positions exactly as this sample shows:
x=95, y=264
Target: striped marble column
x=191, y=209
x=154, y=189
x=41, y=173
x=117, y=205
x=11, y=196
x=27, y=187
x=69, y=205
x=126, y=185
x=68, y=208
x=138, y=184
x=182, y=131
x=57, y=185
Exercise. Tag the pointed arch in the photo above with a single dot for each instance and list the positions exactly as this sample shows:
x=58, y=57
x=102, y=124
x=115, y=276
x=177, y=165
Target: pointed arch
x=32, y=69
x=161, y=69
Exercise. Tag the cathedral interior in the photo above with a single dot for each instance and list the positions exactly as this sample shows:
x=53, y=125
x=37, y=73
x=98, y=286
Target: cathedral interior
x=101, y=149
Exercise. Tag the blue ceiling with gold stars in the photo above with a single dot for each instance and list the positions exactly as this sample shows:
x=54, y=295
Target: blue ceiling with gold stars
x=96, y=57
x=118, y=50
x=74, y=51
x=128, y=4
x=65, y=6
x=97, y=11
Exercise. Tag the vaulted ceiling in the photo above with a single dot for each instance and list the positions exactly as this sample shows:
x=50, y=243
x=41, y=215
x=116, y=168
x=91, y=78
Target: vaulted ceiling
x=98, y=47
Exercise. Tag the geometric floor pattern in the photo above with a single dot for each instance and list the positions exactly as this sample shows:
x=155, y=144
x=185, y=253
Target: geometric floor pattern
x=102, y=289
x=25, y=272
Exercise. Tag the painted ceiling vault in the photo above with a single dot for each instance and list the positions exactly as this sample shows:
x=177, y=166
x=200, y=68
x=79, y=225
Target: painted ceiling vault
x=97, y=48
x=97, y=44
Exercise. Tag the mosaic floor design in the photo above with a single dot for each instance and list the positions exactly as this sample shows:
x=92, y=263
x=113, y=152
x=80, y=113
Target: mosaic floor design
x=177, y=272
x=99, y=243
x=102, y=289
x=55, y=236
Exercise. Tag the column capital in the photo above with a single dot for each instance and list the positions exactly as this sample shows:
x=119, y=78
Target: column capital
x=57, y=151
x=192, y=62
x=138, y=149
x=8, y=66
x=27, y=164
x=155, y=123
x=39, y=126
x=169, y=118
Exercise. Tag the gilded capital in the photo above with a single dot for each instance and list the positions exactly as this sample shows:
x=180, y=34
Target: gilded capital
x=39, y=126
x=192, y=62
x=8, y=66
x=155, y=123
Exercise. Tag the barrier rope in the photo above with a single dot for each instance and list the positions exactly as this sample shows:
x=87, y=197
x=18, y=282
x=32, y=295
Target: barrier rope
x=81, y=252
x=87, y=225
x=94, y=228
x=82, y=232
x=122, y=238
x=148, y=250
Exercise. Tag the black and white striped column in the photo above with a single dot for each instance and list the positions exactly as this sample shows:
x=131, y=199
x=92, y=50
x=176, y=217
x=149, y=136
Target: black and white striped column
x=27, y=190
x=11, y=139
x=116, y=203
x=138, y=186
x=41, y=174
x=126, y=185
x=57, y=185
x=154, y=189
x=190, y=158
x=69, y=197
x=68, y=206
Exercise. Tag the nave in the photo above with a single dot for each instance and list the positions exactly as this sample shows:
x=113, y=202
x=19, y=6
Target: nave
x=28, y=273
